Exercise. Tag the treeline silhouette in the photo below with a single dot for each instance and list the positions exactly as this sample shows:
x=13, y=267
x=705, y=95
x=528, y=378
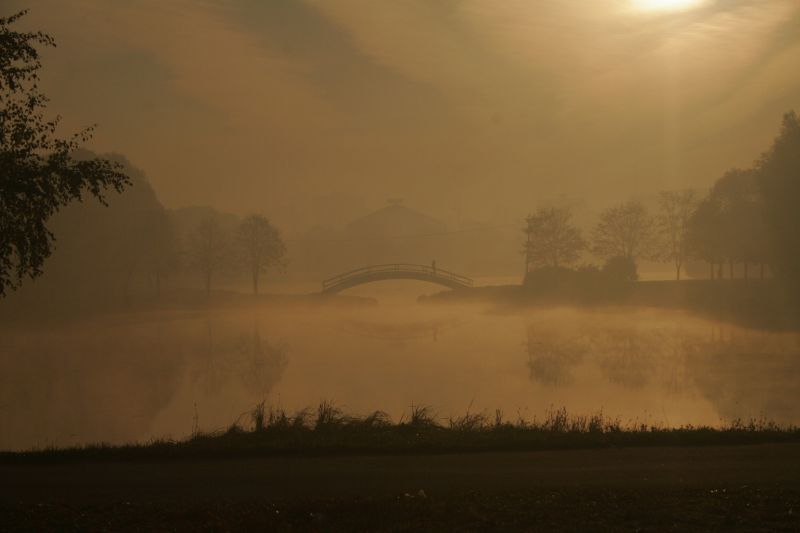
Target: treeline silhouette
x=120, y=254
x=749, y=217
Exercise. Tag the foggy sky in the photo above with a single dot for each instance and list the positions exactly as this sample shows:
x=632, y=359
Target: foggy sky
x=309, y=110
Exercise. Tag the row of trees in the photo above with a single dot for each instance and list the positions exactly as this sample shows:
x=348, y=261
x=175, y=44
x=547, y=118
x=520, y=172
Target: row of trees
x=42, y=174
x=208, y=249
x=255, y=245
x=728, y=225
x=112, y=255
x=623, y=235
x=748, y=217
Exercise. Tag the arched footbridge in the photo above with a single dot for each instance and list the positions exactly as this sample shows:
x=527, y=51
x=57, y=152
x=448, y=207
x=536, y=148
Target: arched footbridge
x=395, y=271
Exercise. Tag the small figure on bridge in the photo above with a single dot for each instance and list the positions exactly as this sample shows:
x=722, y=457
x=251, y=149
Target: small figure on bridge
x=433, y=266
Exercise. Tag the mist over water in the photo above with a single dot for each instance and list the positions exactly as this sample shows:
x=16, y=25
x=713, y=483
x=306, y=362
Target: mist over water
x=136, y=376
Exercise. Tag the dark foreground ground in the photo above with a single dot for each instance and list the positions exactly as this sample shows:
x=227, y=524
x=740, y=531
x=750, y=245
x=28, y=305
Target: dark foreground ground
x=749, y=488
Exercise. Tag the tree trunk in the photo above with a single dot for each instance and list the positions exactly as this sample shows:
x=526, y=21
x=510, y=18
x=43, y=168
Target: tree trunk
x=126, y=294
x=528, y=257
x=678, y=271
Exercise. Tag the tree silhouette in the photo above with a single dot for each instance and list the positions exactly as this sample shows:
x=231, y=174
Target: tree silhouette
x=38, y=173
x=551, y=238
x=160, y=247
x=779, y=180
x=728, y=225
x=675, y=213
x=208, y=248
x=741, y=204
x=619, y=268
x=625, y=230
x=706, y=236
x=262, y=246
x=105, y=256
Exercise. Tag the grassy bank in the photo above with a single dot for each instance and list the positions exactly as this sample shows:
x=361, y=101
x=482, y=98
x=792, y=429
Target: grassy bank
x=327, y=430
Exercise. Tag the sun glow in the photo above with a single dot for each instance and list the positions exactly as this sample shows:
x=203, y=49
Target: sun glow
x=665, y=5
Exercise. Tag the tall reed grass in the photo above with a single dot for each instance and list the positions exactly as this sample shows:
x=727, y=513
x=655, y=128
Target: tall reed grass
x=328, y=429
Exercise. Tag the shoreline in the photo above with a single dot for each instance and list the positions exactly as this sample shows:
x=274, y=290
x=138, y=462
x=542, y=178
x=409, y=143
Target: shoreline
x=759, y=304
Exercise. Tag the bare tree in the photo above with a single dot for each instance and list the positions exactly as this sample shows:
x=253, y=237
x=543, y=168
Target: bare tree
x=625, y=230
x=208, y=249
x=262, y=246
x=673, y=221
x=160, y=248
x=551, y=238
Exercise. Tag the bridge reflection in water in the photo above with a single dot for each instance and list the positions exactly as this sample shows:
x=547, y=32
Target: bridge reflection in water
x=395, y=271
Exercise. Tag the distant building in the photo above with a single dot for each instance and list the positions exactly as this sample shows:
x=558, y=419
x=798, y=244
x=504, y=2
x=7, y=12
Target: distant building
x=394, y=220
x=395, y=234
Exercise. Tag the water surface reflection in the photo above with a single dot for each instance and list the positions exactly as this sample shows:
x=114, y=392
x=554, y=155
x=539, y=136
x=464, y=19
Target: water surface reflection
x=143, y=376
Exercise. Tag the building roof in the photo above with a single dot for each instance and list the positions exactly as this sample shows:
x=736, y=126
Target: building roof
x=395, y=219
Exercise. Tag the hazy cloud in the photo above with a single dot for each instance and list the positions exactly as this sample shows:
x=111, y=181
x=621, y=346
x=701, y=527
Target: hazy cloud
x=491, y=106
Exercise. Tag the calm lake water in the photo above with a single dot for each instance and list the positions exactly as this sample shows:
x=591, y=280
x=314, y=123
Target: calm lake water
x=135, y=377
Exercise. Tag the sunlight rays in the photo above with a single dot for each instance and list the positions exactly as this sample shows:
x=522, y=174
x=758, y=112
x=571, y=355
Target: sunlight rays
x=665, y=5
